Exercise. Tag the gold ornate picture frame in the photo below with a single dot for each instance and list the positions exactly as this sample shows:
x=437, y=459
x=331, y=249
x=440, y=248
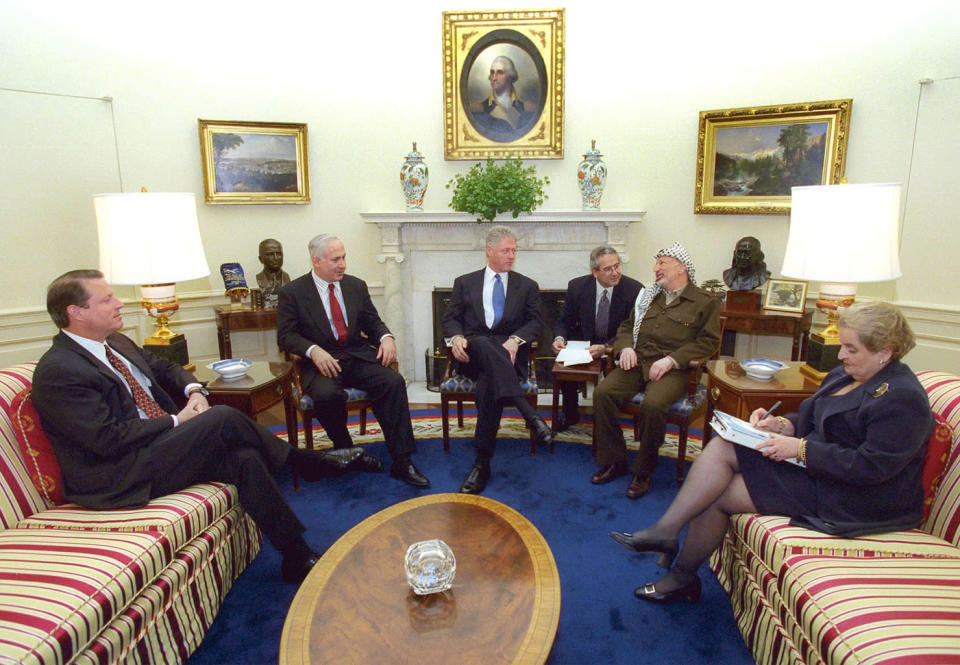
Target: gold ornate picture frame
x=517, y=112
x=785, y=295
x=254, y=162
x=749, y=158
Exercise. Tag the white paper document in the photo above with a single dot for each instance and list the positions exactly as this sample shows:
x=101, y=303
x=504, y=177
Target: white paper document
x=575, y=353
x=741, y=432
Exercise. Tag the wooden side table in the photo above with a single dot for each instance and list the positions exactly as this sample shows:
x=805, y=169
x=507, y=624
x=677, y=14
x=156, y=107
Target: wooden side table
x=772, y=323
x=573, y=374
x=229, y=320
x=730, y=390
x=265, y=384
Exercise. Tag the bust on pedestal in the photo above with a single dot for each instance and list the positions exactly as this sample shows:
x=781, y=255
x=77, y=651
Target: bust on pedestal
x=747, y=273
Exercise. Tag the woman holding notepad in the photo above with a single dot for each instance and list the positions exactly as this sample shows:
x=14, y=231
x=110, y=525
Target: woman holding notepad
x=861, y=438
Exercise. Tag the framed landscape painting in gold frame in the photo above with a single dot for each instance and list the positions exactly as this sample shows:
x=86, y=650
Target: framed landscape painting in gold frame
x=749, y=158
x=503, y=84
x=254, y=162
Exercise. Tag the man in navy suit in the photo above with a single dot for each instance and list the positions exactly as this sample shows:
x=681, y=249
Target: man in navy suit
x=492, y=317
x=593, y=309
x=327, y=318
x=110, y=410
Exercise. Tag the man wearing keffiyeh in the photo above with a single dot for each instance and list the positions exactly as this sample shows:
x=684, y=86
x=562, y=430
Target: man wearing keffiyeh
x=672, y=322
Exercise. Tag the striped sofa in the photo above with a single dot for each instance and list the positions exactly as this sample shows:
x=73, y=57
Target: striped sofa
x=801, y=596
x=111, y=586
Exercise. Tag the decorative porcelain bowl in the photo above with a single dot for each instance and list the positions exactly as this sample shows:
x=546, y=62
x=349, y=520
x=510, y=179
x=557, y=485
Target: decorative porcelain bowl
x=231, y=368
x=761, y=369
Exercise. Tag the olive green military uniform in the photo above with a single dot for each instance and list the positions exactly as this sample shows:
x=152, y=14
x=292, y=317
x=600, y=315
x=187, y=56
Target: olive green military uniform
x=687, y=328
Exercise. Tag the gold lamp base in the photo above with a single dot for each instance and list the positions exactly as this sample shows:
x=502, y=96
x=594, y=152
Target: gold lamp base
x=159, y=301
x=823, y=348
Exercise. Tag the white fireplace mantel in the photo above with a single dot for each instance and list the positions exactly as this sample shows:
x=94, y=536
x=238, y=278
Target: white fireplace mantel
x=424, y=250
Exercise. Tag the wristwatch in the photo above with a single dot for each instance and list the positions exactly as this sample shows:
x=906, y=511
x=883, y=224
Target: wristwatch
x=199, y=389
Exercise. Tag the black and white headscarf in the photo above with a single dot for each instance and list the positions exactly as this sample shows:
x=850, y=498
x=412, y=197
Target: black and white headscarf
x=648, y=293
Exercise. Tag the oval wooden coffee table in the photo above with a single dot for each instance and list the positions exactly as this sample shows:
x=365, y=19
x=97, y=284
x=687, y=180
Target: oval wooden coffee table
x=356, y=607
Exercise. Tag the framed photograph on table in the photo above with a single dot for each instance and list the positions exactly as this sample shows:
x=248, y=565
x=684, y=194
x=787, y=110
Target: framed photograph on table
x=254, y=162
x=749, y=158
x=503, y=84
x=785, y=295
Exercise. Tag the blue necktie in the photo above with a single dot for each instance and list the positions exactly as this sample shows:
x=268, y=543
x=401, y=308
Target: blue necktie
x=499, y=298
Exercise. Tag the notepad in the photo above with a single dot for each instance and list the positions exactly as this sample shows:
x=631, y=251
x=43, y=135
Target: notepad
x=735, y=430
x=575, y=353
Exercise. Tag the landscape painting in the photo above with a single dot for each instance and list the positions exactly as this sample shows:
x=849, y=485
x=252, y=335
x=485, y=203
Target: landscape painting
x=748, y=159
x=254, y=162
x=768, y=161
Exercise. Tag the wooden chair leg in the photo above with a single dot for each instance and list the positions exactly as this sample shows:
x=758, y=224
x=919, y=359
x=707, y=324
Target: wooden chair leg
x=363, y=420
x=681, y=452
x=460, y=413
x=445, y=422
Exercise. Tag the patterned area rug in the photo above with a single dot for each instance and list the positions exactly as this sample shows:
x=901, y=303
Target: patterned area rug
x=427, y=425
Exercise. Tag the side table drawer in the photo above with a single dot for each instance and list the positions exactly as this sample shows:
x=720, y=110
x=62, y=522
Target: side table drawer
x=724, y=399
x=266, y=397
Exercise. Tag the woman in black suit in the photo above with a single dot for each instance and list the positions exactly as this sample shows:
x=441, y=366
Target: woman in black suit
x=861, y=438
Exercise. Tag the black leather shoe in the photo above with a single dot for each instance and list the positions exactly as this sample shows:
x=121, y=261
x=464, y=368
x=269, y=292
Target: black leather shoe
x=316, y=464
x=609, y=472
x=408, y=473
x=294, y=571
x=476, y=480
x=565, y=421
x=541, y=432
x=667, y=548
x=367, y=463
x=689, y=592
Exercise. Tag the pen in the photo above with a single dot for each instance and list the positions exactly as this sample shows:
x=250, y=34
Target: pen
x=776, y=405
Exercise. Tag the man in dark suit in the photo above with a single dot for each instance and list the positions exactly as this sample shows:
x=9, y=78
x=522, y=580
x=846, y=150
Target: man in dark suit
x=109, y=409
x=492, y=317
x=327, y=318
x=593, y=309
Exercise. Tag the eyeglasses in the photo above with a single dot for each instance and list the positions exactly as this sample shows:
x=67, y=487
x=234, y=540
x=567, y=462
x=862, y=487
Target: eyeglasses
x=611, y=269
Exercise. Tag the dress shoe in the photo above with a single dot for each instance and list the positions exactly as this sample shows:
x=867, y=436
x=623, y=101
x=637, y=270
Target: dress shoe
x=689, y=592
x=367, y=463
x=638, y=487
x=408, y=473
x=316, y=464
x=567, y=420
x=476, y=480
x=293, y=570
x=667, y=548
x=541, y=431
x=609, y=472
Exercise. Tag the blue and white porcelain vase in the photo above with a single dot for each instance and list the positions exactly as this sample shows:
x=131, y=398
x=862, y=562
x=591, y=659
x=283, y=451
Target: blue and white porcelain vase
x=592, y=177
x=414, y=178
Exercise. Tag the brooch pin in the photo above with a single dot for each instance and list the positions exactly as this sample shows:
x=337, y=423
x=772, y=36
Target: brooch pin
x=881, y=389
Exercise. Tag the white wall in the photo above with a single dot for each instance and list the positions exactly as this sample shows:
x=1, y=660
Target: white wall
x=367, y=80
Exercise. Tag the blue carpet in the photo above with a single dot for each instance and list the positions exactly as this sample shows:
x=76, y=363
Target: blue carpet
x=600, y=621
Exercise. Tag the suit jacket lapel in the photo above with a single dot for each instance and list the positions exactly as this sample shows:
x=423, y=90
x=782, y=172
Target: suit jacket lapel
x=69, y=344
x=314, y=305
x=475, y=297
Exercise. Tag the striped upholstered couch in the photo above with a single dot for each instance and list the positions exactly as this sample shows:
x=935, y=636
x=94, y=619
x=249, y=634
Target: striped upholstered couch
x=801, y=596
x=112, y=586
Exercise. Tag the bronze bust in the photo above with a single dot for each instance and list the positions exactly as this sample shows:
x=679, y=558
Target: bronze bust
x=272, y=277
x=748, y=270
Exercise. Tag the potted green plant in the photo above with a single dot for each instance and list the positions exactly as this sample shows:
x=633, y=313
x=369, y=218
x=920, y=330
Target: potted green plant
x=487, y=191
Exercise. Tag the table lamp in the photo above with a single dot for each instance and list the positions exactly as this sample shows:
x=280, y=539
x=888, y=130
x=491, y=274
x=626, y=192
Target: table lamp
x=152, y=240
x=841, y=235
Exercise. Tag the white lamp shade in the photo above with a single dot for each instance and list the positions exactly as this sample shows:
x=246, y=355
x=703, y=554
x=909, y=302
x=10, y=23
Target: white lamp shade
x=844, y=233
x=149, y=238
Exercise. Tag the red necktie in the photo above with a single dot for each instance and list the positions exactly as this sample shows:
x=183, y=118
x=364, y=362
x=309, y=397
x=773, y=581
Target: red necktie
x=143, y=399
x=337, y=315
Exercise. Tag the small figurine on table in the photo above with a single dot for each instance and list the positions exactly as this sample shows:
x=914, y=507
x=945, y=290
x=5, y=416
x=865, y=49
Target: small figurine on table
x=235, y=283
x=272, y=277
x=748, y=270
